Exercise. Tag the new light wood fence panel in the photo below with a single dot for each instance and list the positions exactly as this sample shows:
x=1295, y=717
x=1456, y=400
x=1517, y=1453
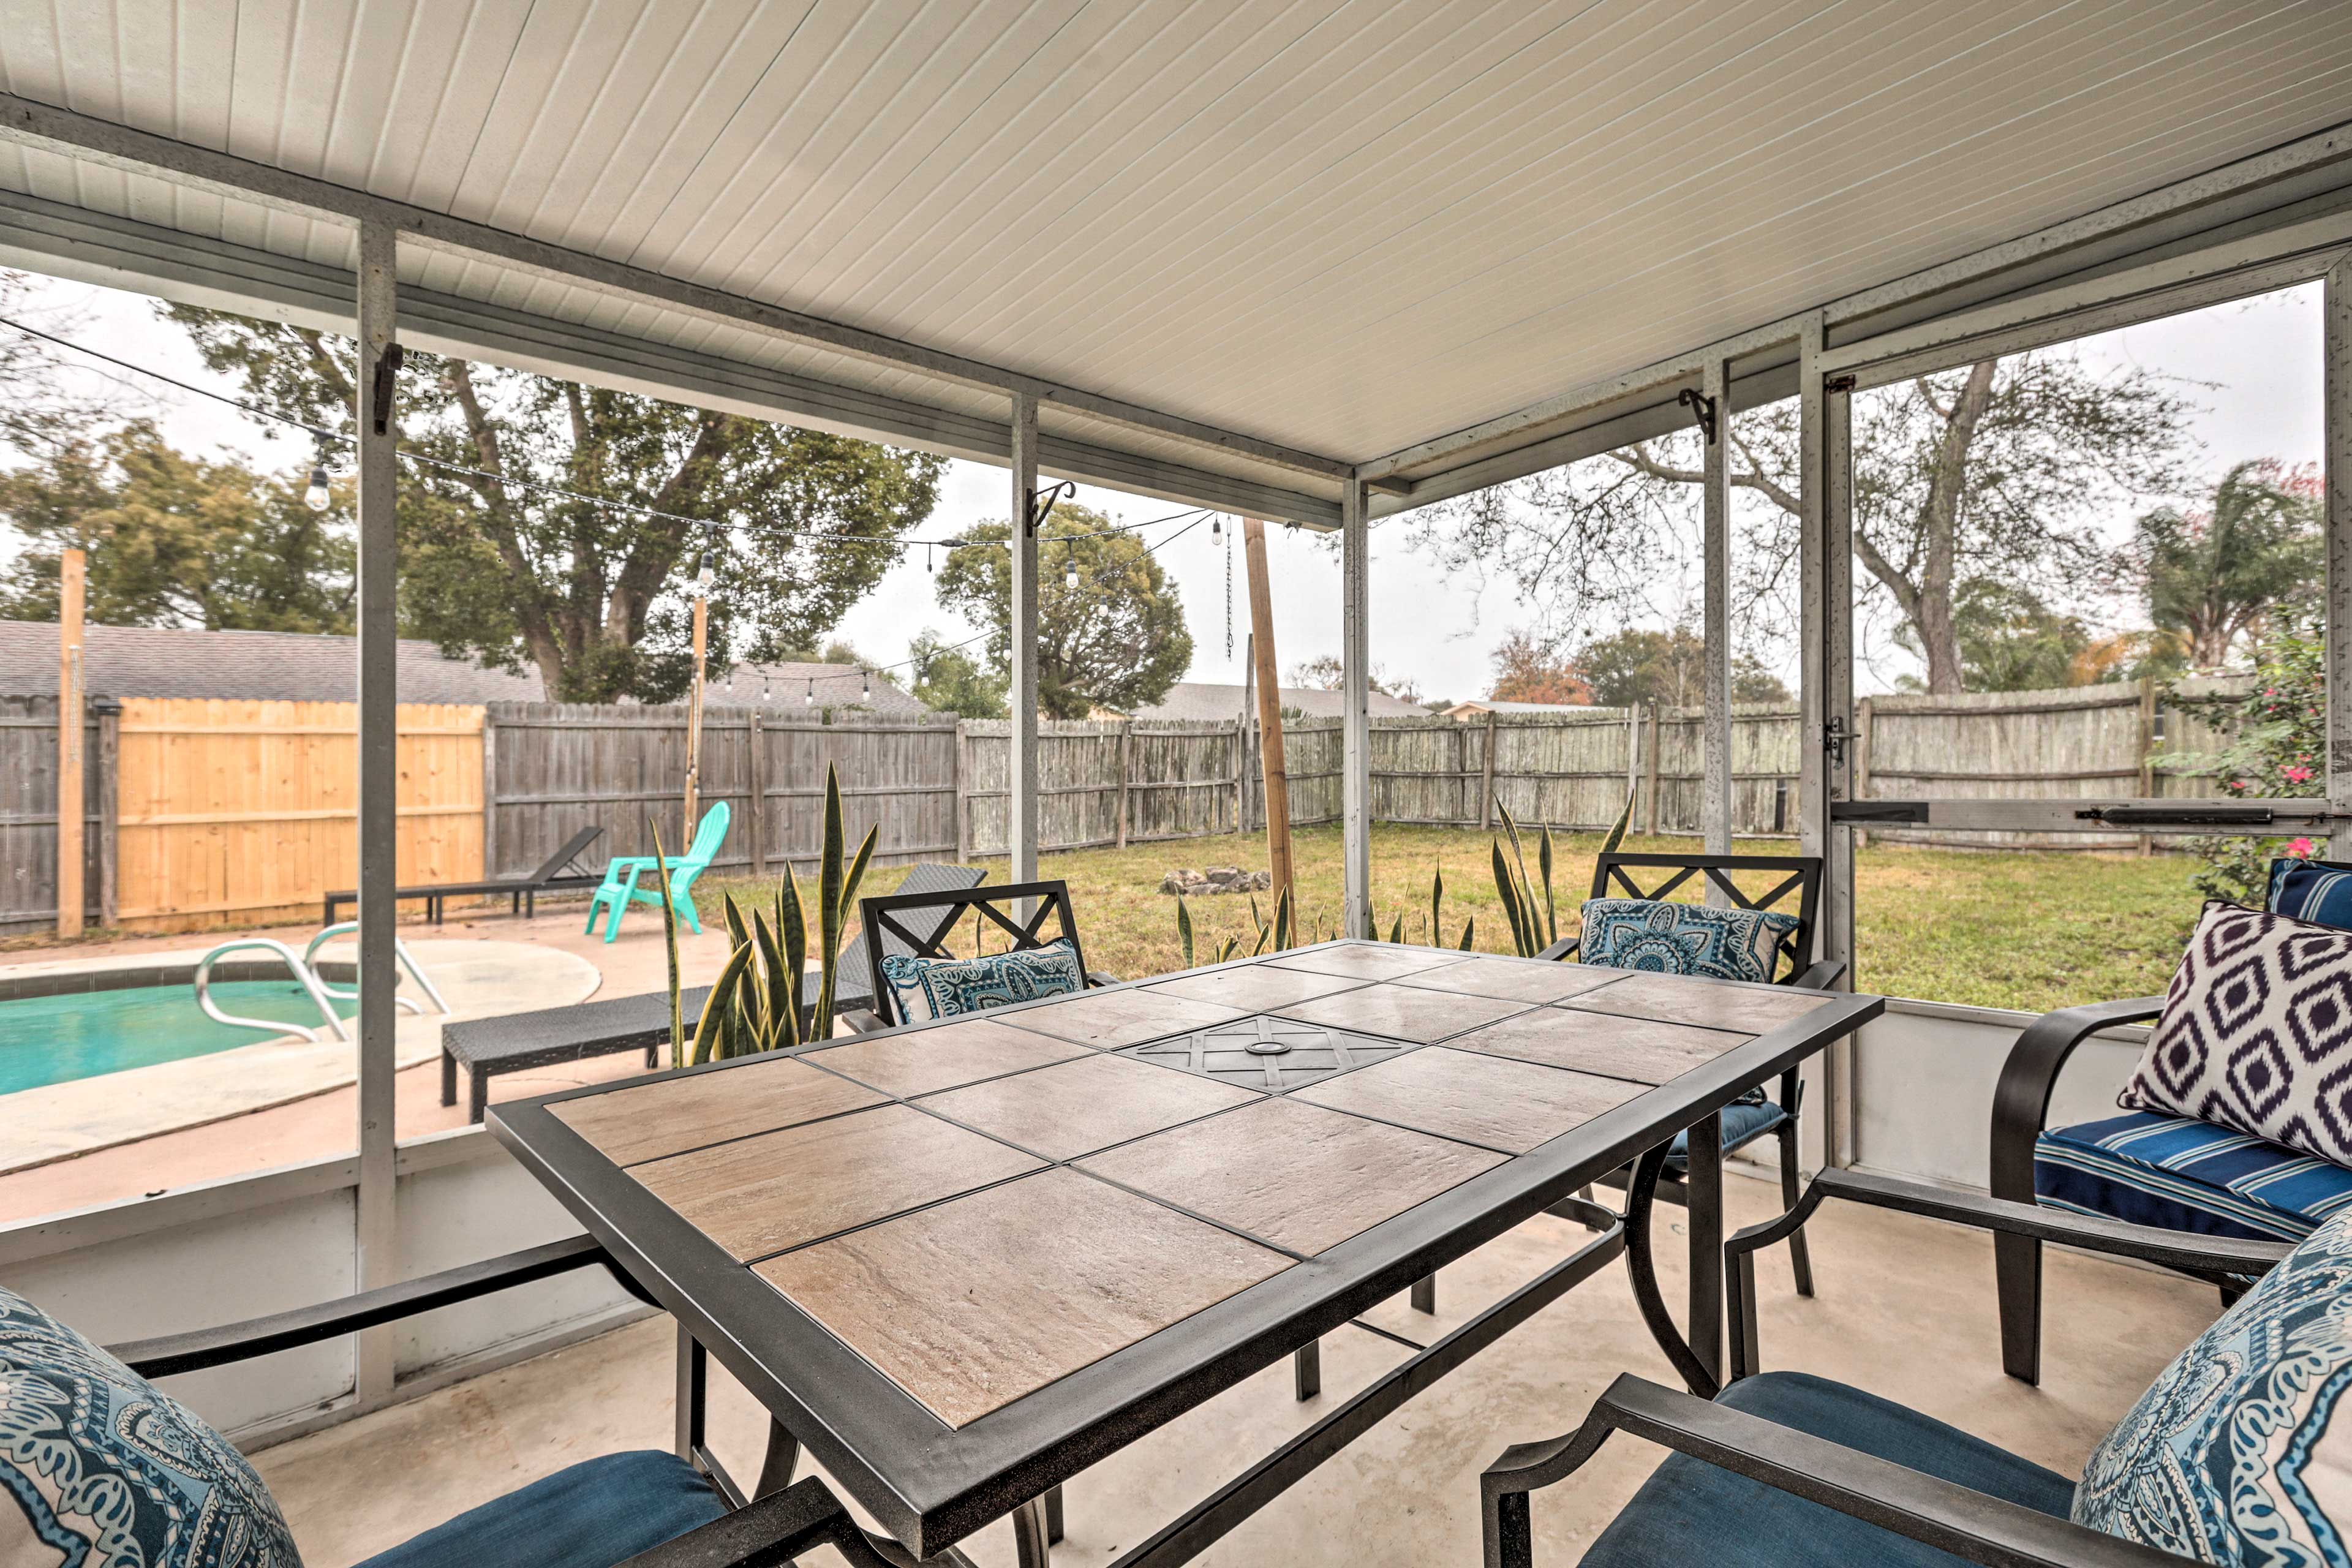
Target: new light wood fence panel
x=233, y=810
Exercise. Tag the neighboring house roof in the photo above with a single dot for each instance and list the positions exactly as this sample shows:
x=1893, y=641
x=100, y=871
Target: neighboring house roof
x=1203, y=699
x=1488, y=705
x=789, y=685
x=289, y=667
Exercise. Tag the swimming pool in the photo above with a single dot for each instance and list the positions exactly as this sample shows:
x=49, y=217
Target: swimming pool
x=84, y=1034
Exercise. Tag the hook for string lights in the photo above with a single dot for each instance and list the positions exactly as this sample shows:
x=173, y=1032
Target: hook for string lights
x=1042, y=503
x=1702, y=406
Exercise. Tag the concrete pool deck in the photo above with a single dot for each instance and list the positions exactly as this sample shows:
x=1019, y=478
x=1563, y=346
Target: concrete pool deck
x=59, y=1120
x=548, y=963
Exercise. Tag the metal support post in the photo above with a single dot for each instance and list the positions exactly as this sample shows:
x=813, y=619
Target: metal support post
x=1715, y=788
x=2338, y=634
x=1356, y=719
x=378, y=1261
x=1021, y=824
x=1825, y=575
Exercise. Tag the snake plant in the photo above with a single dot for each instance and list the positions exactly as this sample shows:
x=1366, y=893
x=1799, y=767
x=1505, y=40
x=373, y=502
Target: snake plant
x=754, y=1005
x=1533, y=929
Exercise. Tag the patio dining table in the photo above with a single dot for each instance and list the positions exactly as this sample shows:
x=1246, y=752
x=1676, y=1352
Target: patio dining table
x=961, y=1261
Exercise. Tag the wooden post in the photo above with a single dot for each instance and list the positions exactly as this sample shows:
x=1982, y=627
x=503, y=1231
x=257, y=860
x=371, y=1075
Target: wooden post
x=1650, y=764
x=1126, y=762
x=72, y=850
x=963, y=794
x=756, y=765
x=489, y=795
x=1487, y=776
x=1633, y=753
x=1269, y=707
x=110, y=803
x=694, y=706
x=2147, y=754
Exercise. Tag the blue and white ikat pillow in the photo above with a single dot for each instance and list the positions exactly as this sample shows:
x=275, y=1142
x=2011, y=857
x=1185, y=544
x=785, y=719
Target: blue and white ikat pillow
x=1686, y=939
x=925, y=988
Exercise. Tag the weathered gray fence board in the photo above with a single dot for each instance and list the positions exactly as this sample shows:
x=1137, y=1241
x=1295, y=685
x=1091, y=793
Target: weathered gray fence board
x=28, y=813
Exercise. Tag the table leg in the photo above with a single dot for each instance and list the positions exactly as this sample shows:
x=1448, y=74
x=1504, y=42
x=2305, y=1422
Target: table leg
x=693, y=1385
x=1032, y=1537
x=478, y=1096
x=448, y=1077
x=1306, y=1370
x=1054, y=1531
x=776, y=1468
x=1640, y=1194
x=1704, y=1183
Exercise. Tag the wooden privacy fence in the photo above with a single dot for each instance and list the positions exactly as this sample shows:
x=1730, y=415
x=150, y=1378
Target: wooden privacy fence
x=203, y=813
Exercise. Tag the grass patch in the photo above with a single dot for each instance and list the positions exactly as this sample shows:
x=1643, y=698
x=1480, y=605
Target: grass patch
x=2026, y=931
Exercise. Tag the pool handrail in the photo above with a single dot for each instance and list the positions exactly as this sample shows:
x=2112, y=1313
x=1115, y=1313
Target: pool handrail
x=400, y=950
x=308, y=981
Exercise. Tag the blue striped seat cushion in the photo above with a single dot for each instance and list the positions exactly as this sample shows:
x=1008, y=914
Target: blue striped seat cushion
x=2165, y=1171
x=2319, y=891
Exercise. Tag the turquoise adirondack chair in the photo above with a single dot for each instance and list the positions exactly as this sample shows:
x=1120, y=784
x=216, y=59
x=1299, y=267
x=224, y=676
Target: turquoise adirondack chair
x=620, y=887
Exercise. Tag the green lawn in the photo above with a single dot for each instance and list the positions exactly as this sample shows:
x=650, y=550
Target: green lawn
x=2031, y=932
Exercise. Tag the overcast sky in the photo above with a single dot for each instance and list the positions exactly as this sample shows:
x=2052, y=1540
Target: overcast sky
x=2261, y=359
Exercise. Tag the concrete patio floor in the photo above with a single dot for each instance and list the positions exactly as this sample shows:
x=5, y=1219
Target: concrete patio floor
x=1905, y=1310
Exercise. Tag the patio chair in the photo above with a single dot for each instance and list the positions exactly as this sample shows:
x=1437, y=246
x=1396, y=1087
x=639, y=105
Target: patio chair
x=1744, y=1122
x=647, y=1508
x=1784, y=1468
x=620, y=887
x=918, y=925
x=2139, y=1165
x=555, y=874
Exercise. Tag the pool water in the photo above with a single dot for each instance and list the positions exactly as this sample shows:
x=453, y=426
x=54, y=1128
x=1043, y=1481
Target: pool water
x=85, y=1034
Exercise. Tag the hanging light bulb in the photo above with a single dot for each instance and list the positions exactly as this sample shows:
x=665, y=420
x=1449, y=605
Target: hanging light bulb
x=316, y=498
x=1070, y=569
x=1216, y=529
x=927, y=558
x=702, y=579
x=810, y=700
x=866, y=686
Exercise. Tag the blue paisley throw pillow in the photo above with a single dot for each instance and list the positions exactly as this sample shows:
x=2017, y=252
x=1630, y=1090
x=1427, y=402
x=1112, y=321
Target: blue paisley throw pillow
x=104, y=1471
x=1686, y=939
x=2230, y=1457
x=923, y=988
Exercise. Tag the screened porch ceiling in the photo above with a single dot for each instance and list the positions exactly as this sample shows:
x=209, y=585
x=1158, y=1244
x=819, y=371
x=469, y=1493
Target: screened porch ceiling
x=1298, y=237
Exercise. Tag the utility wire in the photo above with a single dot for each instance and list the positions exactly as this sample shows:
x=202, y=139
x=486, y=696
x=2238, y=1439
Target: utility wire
x=324, y=435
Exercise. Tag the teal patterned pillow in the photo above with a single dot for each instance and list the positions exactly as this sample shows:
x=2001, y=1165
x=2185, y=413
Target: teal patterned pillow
x=103, y=1470
x=2230, y=1457
x=1686, y=939
x=923, y=988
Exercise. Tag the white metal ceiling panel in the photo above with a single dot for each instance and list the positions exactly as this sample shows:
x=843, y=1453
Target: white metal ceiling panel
x=1344, y=225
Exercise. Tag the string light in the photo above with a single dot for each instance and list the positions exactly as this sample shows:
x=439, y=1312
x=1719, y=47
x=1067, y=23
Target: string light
x=1216, y=531
x=1070, y=569
x=810, y=700
x=317, y=497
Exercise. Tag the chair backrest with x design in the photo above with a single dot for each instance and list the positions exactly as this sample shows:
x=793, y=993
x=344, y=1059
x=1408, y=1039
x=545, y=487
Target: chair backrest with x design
x=880, y=915
x=1799, y=874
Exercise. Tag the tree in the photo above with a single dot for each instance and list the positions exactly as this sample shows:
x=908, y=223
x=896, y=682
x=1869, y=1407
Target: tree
x=951, y=680
x=2012, y=641
x=1117, y=638
x=44, y=410
x=1529, y=669
x=1667, y=670
x=1975, y=473
x=175, y=540
x=797, y=524
x=1324, y=672
x=2275, y=748
x=2216, y=575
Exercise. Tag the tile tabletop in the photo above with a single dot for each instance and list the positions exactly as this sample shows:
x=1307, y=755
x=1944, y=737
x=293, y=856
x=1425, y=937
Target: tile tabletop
x=1271, y=1054
x=1298, y=1177
x=1514, y=979
x=1709, y=1004
x=962, y=1052
x=1255, y=985
x=973, y=1213
x=1402, y=1012
x=1644, y=1050
x=1079, y=1107
x=1110, y=1019
x=761, y=1194
x=645, y=1120
x=1493, y=1101
x=971, y=1304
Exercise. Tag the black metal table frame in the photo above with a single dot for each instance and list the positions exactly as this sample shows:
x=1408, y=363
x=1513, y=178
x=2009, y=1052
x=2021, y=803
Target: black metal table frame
x=928, y=1493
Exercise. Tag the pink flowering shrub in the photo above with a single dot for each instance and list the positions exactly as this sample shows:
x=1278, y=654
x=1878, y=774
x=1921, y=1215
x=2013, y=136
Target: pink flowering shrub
x=2277, y=738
